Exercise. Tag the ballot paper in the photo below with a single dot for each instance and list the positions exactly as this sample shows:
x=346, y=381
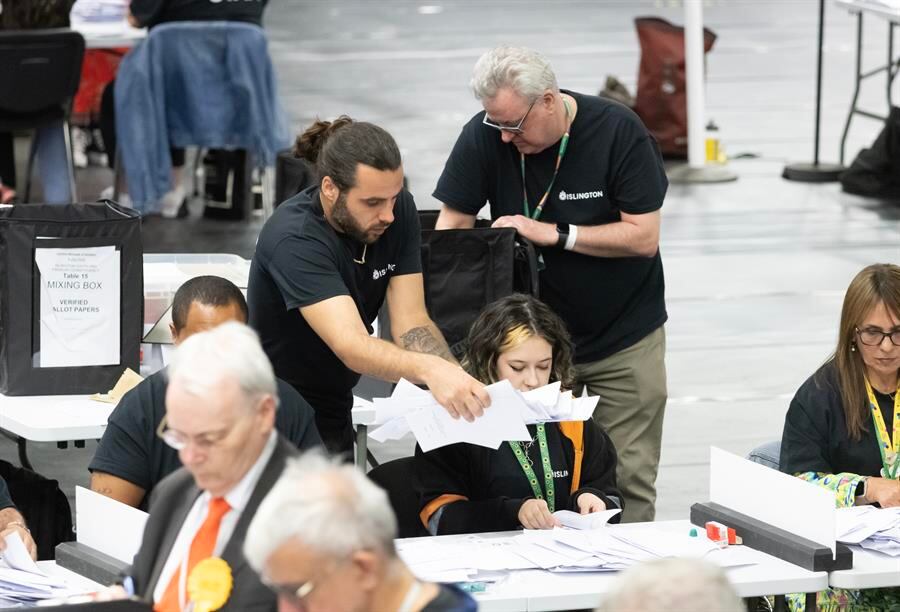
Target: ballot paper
x=594, y=520
x=870, y=527
x=21, y=580
x=414, y=410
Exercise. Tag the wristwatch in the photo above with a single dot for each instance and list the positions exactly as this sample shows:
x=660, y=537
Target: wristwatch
x=862, y=488
x=562, y=230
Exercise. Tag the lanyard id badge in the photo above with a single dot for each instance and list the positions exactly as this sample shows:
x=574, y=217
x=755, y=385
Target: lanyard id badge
x=888, y=446
x=545, y=463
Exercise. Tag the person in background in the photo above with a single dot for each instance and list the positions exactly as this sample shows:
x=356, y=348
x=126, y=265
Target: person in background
x=150, y=13
x=12, y=521
x=583, y=180
x=842, y=428
x=323, y=539
x=50, y=142
x=676, y=585
x=465, y=488
x=132, y=458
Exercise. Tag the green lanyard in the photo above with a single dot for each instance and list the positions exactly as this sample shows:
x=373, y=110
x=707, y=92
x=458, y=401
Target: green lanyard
x=563, y=144
x=889, y=452
x=545, y=463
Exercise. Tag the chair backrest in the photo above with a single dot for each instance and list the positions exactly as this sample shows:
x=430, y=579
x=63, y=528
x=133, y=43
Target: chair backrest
x=768, y=454
x=465, y=270
x=396, y=477
x=39, y=69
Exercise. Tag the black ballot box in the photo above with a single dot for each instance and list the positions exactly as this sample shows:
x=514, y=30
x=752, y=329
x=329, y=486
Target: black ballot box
x=71, y=297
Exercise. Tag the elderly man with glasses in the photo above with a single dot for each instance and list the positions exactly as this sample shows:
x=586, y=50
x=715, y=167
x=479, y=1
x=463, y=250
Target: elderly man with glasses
x=220, y=415
x=581, y=178
x=323, y=539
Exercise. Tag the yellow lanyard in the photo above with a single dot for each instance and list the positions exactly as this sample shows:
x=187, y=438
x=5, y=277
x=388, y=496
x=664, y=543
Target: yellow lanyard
x=889, y=452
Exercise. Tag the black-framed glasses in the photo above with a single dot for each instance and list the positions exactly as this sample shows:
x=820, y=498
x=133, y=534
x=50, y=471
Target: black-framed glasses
x=874, y=337
x=512, y=129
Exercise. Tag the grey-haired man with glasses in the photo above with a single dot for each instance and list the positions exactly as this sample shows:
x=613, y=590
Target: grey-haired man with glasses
x=220, y=415
x=582, y=179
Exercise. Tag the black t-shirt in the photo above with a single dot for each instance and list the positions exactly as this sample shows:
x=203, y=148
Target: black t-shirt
x=131, y=450
x=815, y=437
x=301, y=260
x=153, y=12
x=5, y=500
x=494, y=486
x=611, y=165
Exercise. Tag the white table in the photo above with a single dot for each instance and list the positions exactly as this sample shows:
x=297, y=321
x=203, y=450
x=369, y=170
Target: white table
x=890, y=68
x=542, y=590
x=871, y=570
x=362, y=416
x=52, y=418
x=108, y=35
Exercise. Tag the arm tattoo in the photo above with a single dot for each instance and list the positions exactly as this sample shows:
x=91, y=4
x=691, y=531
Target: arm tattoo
x=422, y=340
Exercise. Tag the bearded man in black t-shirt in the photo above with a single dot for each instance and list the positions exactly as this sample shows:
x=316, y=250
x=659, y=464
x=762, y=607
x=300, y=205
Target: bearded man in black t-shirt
x=581, y=178
x=327, y=260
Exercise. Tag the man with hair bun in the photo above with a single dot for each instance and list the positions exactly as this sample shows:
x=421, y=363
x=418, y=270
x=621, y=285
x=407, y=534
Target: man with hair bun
x=327, y=260
x=582, y=179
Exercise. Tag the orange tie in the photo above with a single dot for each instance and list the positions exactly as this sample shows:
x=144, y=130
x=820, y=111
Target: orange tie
x=201, y=548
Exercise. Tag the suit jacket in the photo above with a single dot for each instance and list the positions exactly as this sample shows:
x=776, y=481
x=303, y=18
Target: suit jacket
x=169, y=506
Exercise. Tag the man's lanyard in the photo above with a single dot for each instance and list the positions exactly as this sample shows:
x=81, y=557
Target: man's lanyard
x=889, y=452
x=559, y=157
x=529, y=471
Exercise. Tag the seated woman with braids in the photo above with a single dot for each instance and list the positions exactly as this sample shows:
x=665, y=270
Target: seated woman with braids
x=464, y=488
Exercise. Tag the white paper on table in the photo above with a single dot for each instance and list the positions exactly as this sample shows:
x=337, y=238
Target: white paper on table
x=735, y=556
x=736, y=483
x=857, y=523
x=79, y=306
x=594, y=520
x=662, y=543
x=107, y=525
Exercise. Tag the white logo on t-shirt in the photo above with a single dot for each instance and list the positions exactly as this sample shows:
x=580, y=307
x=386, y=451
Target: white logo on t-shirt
x=376, y=274
x=583, y=195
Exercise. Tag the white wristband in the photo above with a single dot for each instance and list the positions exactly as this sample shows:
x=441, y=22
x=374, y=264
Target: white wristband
x=573, y=236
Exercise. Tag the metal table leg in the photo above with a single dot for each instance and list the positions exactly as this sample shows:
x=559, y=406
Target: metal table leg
x=361, y=442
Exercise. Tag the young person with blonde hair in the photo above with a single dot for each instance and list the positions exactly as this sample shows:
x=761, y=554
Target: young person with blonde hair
x=465, y=488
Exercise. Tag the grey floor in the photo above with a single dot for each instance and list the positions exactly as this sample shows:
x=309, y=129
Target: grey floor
x=755, y=269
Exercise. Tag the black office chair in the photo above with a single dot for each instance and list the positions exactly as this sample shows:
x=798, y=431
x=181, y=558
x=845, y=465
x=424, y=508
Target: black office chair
x=40, y=71
x=396, y=477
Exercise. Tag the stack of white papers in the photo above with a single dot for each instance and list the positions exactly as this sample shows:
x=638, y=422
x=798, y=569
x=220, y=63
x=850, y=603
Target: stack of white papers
x=871, y=528
x=21, y=581
x=99, y=10
x=411, y=409
x=606, y=549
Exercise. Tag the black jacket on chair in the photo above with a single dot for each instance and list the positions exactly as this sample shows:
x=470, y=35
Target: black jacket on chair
x=169, y=506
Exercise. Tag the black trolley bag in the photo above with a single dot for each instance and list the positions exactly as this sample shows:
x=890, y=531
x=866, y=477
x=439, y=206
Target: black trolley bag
x=78, y=227
x=464, y=270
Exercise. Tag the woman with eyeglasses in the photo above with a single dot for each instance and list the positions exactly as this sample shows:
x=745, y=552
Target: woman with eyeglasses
x=464, y=488
x=842, y=429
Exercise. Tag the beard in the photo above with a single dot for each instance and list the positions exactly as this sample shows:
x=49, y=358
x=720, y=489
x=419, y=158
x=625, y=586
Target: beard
x=341, y=216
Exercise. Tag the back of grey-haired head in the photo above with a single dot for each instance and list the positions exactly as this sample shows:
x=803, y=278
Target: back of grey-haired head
x=328, y=506
x=526, y=72
x=228, y=351
x=673, y=584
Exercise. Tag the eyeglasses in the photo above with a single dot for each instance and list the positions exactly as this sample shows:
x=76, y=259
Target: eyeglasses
x=298, y=594
x=874, y=337
x=512, y=129
x=179, y=441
